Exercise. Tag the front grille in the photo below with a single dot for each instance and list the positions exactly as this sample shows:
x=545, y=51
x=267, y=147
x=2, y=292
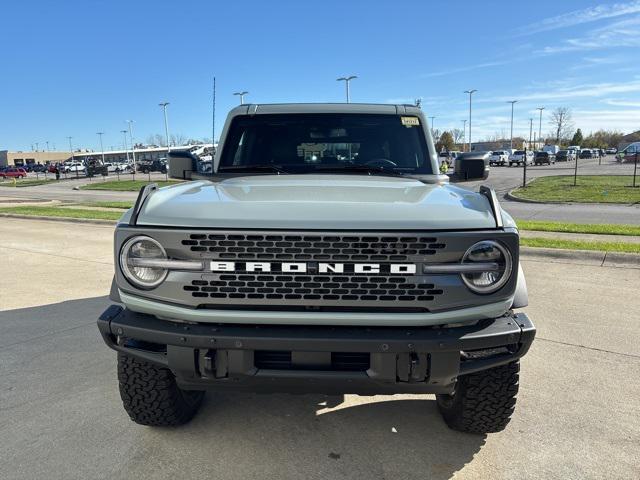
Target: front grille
x=361, y=248
x=337, y=287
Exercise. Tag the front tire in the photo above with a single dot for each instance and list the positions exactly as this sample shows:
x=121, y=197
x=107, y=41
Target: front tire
x=482, y=402
x=151, y=396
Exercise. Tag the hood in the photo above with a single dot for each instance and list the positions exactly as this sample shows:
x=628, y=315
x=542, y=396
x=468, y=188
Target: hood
x=317, y=202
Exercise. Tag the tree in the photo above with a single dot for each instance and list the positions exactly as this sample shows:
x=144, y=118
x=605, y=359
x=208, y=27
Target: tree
x=603, y=139
x=445, y=142
x=577, y=138
x=458, y=135
x=561, y=122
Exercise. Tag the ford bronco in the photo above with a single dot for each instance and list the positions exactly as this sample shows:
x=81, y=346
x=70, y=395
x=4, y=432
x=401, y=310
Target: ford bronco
x=327, y=254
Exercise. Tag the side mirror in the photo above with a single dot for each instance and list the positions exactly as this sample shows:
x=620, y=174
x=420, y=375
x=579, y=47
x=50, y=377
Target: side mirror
x=469, y=167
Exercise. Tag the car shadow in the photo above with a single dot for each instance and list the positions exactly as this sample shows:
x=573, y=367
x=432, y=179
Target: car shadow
x=242, y=434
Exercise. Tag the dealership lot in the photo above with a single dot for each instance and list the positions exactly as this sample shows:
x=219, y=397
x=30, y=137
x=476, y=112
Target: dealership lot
x=576, y=415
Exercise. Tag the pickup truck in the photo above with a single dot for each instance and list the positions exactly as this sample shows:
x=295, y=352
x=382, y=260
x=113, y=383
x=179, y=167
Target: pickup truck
x=326, y=254
x=499, y=157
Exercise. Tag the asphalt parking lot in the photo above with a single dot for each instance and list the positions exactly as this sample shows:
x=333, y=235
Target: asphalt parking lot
x=61, y=417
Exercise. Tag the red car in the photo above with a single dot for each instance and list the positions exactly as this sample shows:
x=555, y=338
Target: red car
x=12, y=172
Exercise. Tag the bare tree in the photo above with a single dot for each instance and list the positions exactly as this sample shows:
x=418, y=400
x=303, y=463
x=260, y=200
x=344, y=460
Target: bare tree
x=178, y=139
x=561, y=122
x=458, y=135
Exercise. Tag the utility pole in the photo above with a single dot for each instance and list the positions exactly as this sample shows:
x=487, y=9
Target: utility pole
x=540, y=124
x=101, y=147
x=166, y=124
x=347, y=81
x=512, y=102
x=213, y=114
x=530, y=130
x=133, y=151
x=124, y=136
x=241, y=95
x=432, y=122
x=464, y=132
x=470, y=92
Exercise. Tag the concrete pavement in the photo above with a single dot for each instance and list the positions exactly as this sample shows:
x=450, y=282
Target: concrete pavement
x=61, y=417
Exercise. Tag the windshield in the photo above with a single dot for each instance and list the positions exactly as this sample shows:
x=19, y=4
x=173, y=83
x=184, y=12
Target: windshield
x=312, y=143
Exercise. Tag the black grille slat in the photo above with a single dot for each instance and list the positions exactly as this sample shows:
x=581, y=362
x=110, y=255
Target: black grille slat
x=326, y=248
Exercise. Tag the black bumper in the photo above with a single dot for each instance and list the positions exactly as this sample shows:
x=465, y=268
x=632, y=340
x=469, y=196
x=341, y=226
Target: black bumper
x=317, y=359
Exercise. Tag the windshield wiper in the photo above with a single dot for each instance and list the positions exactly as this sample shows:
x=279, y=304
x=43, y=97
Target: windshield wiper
x=253, y=168
x=355, y=167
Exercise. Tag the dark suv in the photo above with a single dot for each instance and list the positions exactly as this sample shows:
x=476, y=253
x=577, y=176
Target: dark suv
x=544, y=158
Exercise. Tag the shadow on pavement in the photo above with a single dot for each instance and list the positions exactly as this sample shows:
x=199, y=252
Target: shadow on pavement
x=58, y=368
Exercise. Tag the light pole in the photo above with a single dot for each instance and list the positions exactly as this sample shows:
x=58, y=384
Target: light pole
x=347, y=81
x=166, y=124
x=464, y=132
x=512, y=102
x=432, y=122
x=133, y=151
x=540, y=124
x=124, y=135
x=241, y=95
x=71, y=148
x=530, y=130
x=101, y=146
x=37, y=146
x=47, y=142
x=470, y=92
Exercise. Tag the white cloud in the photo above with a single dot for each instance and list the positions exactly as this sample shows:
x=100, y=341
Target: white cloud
x=578, y=17
x=622, y=103
x=468, y=68
x=592, y=90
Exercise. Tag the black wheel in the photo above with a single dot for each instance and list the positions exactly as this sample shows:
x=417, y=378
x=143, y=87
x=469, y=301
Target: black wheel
x=482, y=402
x=151, y=396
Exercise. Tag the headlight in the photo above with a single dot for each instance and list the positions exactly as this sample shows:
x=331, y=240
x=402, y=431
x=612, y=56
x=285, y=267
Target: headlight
x=498, y=262
x=135, y=257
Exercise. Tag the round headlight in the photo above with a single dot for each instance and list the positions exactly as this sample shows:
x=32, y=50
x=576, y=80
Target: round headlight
x=137, y=248
x=499, y=265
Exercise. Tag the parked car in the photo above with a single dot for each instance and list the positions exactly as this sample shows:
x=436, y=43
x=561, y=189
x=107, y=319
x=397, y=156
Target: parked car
x=499, y=157
x=586, y=153
x=122, y=167
x=146, y=166
x=13, y=172
x=447, y=157
x=565, y=156
x=544, y=158
x=518, y=158
x=611, y=151
x=74, y=167
x=630, y=153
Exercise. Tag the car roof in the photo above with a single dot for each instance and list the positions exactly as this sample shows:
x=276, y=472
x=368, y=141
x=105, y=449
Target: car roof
x=369, y=108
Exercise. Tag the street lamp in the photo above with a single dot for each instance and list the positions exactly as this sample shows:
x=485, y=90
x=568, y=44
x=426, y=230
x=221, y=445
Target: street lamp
x=71, y=148
x=432, y=122
x=512, y=102
x=464, y=132
x=101, y=147
x=124, y=135
x=530, y=130
x=47, y=142
x=133, y=151
x=241, y=95
x=540, y=124
x=470, y=92
x=347, y=81
x=166, y=124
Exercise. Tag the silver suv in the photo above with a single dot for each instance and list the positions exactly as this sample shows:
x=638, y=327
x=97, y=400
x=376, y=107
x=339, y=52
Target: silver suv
x=325, y=254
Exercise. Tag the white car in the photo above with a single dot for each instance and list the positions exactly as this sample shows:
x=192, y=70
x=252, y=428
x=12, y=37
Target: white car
x=499, y=157
x=74, y=167
x=517, y=158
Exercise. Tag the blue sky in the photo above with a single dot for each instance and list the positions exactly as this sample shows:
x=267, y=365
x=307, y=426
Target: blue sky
x=79, y=67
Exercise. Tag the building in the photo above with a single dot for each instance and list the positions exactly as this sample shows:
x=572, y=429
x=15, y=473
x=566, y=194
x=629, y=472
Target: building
x=519, y=143
x=21, y=159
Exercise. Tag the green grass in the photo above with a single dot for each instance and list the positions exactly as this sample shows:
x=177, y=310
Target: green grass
x=122, y=205
x=606, y=228
x=62, y=212
x=25, y=183
x=581, y=245
x=126, y=185
x=589, y=189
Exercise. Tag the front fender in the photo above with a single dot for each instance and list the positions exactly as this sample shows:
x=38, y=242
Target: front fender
x=521, y=297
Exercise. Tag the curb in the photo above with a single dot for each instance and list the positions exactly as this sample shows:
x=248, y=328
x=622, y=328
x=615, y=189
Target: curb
x=586, y=257
x=60, y=219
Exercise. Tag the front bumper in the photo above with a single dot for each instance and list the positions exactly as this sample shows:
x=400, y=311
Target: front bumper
x=317, y=358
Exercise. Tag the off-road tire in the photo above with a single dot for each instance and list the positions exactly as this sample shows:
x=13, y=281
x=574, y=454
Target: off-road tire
x=482, y=402
x=151, y=396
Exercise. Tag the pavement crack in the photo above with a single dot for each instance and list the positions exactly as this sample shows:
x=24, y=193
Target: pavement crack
x=604, y=350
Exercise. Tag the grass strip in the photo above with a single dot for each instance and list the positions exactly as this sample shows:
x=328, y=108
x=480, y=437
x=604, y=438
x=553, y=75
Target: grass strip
x=126, y=185
x=24, y=183
x=601, y=229
x=122, y=205
x=62, y=212
x=589, y=189
x=581, y=245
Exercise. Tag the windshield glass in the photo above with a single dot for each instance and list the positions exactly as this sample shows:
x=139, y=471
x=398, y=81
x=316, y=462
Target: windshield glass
x=311, y=143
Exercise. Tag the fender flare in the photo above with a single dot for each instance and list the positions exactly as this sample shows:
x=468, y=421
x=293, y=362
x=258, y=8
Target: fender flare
x=521, y=297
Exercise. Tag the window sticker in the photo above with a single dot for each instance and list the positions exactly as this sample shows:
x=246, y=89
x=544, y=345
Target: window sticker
x=410, y=121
